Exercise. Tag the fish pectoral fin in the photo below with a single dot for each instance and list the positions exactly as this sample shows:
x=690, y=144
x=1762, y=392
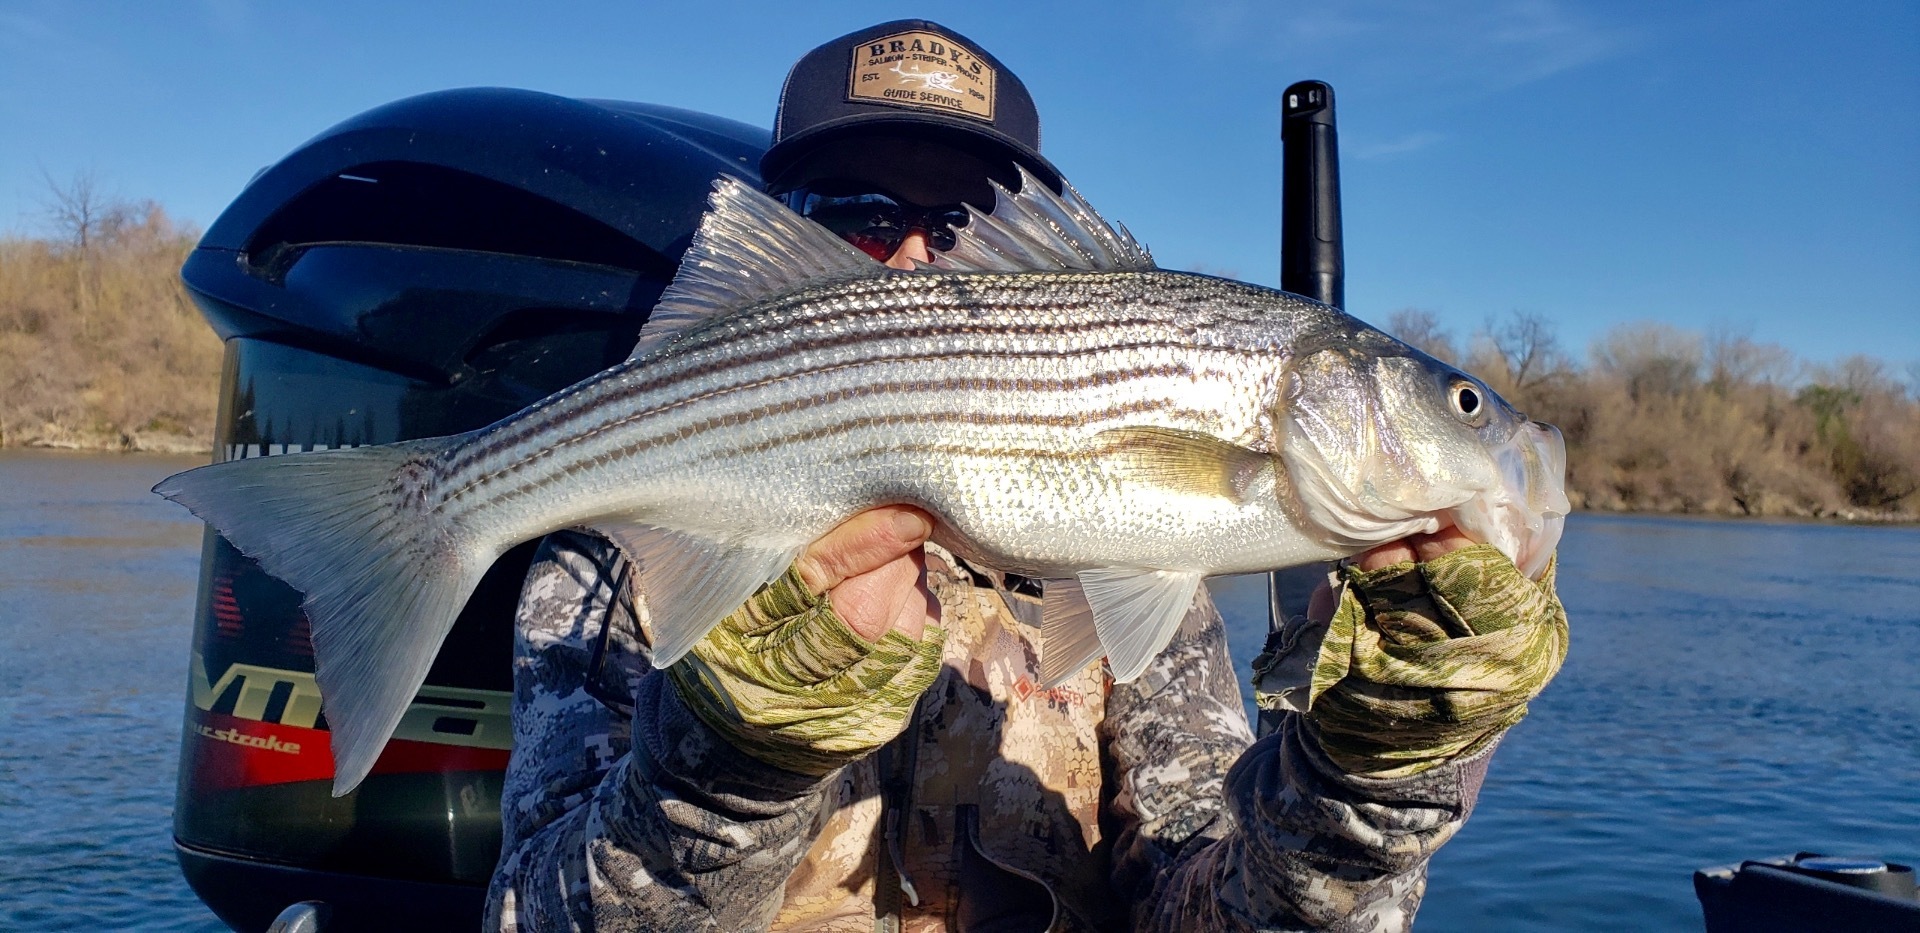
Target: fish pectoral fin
x=748, y=247
x=1183, y=461
x=1136, y=612
x=1068, y=639
x=688, y=581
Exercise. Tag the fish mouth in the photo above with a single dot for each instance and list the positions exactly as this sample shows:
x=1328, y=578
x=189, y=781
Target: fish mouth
x=1524, y=515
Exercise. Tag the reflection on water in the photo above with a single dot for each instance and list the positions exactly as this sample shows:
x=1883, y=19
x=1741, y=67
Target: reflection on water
x=97, y=582
x=1735, y=690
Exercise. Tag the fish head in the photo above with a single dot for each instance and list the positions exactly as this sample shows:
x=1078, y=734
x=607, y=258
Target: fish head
x=1381, y=441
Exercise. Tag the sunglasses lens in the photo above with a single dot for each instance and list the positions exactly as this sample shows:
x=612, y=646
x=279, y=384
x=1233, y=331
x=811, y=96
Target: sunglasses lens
x=940, y=226
x=850, y=215
x=876, y=247
x=875, y=224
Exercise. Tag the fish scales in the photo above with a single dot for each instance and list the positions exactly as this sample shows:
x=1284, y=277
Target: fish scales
x=862, y=370
x=1064, y=408
x=920, y=325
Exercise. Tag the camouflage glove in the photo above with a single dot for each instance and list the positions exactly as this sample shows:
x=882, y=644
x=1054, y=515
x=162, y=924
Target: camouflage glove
x=1425, y=662
x=786, y=681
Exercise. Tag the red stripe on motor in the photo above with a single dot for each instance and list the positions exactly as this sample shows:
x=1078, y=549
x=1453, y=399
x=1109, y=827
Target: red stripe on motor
x=235, y=753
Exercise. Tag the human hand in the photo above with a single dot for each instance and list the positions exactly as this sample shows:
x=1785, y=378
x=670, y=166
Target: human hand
x=1434, y=646
x=1418, y=548
x=872, y=569
x=825, y=664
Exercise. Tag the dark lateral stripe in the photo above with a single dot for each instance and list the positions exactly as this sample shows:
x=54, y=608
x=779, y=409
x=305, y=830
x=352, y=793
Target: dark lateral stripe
x=559, y=417
x=803, y=401
x=943, y=294
x=946, y=298
x=548, y=422
x=961, y=417
x=849, y=425
x=952, y=449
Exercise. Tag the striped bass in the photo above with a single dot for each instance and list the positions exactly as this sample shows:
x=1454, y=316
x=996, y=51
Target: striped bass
x=1064, y=408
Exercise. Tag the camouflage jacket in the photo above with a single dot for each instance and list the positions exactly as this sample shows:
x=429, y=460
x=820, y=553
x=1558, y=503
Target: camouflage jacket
x=1002, y=807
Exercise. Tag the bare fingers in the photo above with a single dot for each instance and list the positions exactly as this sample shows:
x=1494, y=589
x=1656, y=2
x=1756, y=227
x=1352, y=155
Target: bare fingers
x=863, y=543
x=873, y=570
x=1420, y=547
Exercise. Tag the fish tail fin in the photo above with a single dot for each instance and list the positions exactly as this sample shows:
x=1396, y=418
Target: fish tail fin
x=384, y=574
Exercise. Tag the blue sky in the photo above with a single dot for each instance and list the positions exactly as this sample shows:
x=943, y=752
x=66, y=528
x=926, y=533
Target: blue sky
x=1743, y=165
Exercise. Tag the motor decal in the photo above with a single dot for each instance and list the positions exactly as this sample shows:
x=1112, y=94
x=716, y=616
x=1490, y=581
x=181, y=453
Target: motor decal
x=455, y=716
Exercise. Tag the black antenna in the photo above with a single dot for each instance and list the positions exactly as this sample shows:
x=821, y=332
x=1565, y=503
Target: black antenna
x=1312, y=262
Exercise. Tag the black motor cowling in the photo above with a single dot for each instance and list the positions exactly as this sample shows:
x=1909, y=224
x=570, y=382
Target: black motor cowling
x=422, y=269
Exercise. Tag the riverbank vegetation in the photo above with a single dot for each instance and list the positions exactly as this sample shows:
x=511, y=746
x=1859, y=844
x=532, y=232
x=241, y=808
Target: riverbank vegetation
x=1660, y=419
x=100, y=348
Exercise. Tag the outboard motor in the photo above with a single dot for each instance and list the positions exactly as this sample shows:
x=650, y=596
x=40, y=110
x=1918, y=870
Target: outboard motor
x=1809, y=893
x=422, y=269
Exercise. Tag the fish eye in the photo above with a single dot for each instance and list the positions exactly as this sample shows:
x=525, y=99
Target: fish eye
x=1469, y=402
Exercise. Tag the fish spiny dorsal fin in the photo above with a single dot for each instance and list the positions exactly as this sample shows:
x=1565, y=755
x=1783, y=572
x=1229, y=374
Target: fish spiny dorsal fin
x=1039, y=231
x=749, y=246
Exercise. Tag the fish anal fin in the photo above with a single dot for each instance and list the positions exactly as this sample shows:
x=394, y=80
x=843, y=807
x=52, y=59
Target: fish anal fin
x=1068, y=639
x=1183, y=461
x=1137, y=612
x=688, y=581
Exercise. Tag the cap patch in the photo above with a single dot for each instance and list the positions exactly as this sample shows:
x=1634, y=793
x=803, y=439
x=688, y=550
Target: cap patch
x=924, y=71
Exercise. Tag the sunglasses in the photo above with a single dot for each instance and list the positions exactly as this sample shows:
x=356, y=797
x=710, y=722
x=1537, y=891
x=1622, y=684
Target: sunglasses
x=875, y=224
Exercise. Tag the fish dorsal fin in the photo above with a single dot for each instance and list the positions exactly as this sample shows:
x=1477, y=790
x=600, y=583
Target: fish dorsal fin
x=749, y=246
x=1068, y=640
x=689, y=582
x=1039, y=231
x=1136, y=613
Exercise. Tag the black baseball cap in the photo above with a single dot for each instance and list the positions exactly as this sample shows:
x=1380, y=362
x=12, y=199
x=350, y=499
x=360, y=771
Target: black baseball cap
x=911, y=107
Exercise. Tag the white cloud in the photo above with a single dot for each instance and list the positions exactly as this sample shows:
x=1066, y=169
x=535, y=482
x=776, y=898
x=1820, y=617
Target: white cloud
x=1384, y=149
x=1484, y=47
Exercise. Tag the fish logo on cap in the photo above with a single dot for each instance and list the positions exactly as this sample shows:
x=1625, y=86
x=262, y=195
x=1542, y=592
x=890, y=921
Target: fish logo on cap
x=923, y=71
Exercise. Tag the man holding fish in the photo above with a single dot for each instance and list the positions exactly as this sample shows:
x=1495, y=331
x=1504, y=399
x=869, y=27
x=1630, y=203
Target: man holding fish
x=741, y=789
x=831, y=563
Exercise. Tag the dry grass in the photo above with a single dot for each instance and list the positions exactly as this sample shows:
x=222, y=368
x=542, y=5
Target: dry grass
x=99, y=345
x=1666, y=420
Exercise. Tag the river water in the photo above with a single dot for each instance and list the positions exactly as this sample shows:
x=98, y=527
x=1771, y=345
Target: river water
x=1735, y=690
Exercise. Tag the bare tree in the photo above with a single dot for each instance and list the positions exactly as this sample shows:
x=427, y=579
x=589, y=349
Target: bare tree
x=1652, y=358
x=77, y=210
x=1422, y=330
x=1862, y=375
x=1734, y=359
x=1526, y=341
x=92, y=227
